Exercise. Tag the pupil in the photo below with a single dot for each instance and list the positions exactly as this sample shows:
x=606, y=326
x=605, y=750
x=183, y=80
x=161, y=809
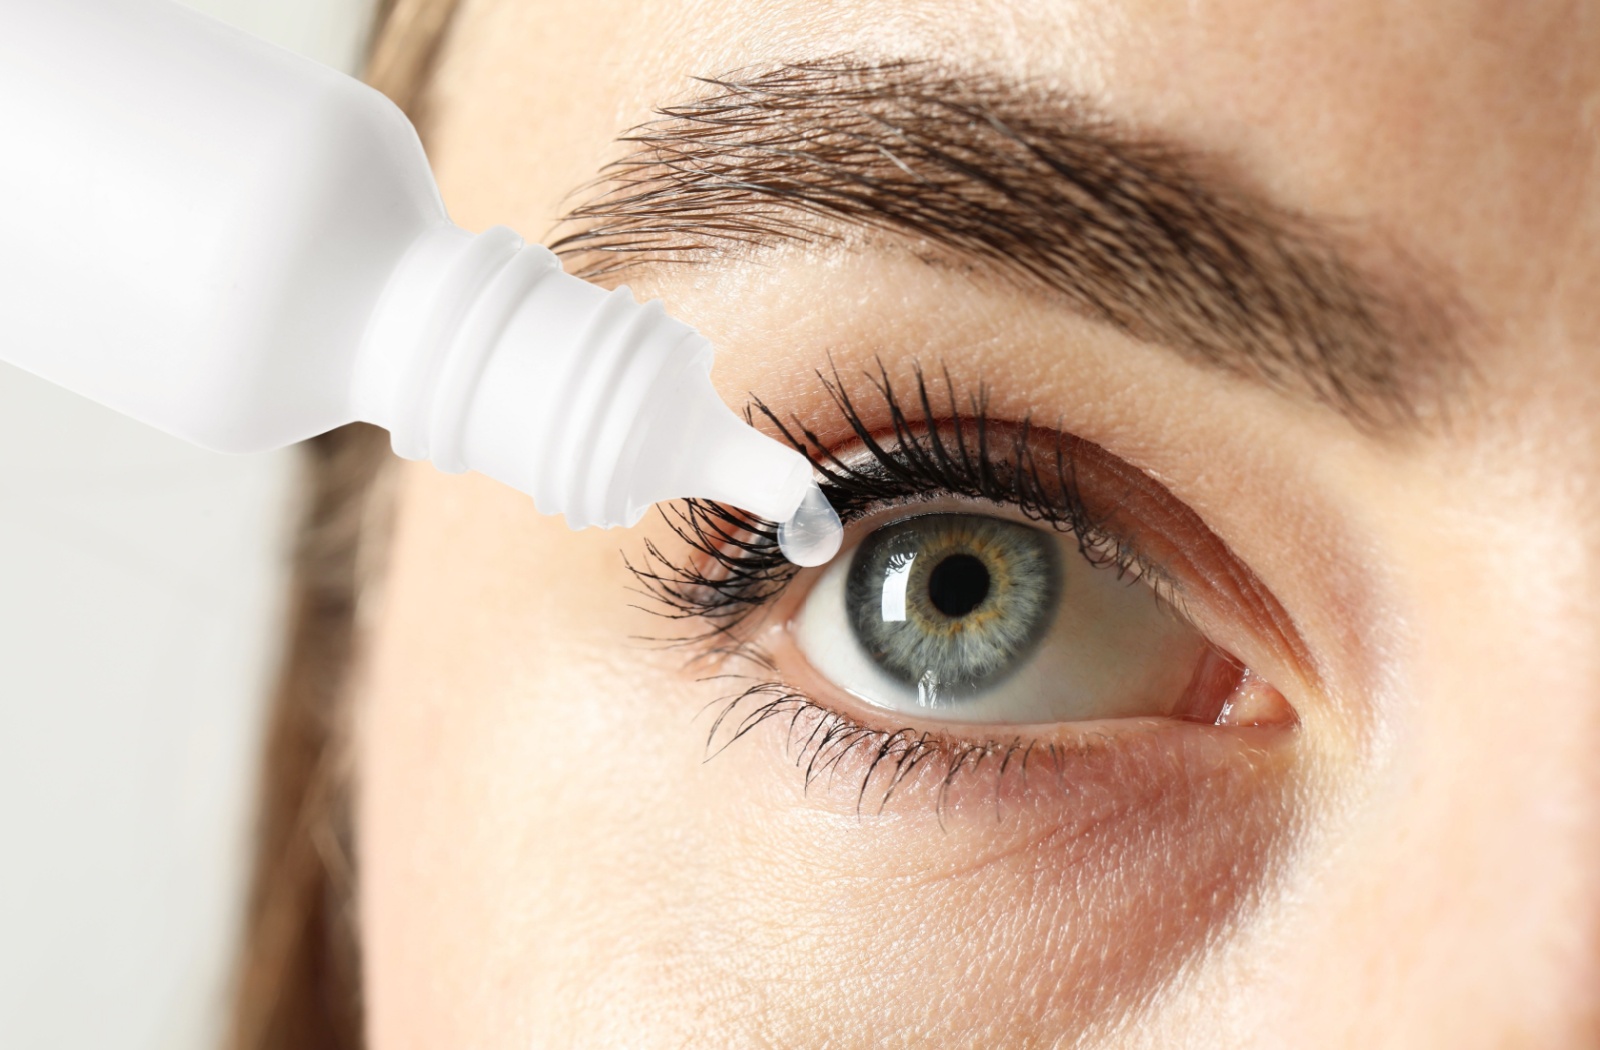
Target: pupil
x=958, y=585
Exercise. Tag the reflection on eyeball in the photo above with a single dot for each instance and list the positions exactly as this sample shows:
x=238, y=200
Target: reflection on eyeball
x=973, y=618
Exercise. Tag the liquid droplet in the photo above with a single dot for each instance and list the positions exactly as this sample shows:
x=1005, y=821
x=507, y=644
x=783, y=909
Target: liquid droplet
x=813, y=535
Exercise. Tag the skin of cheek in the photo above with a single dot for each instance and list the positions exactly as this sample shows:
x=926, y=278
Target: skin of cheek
x=1487, y=782
x=541, y=839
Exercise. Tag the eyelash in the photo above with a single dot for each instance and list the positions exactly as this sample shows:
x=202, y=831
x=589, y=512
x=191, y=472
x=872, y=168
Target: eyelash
x=733, y=567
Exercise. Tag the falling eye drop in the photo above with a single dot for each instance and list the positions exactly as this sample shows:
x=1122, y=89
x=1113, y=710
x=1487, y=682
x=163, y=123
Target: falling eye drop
x=244, y=248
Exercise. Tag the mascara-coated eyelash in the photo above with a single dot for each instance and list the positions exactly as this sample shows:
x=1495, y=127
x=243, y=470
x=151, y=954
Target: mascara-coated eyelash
x=928, y=452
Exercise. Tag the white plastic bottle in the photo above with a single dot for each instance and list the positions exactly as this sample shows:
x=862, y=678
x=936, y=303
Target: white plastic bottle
x=244, y=248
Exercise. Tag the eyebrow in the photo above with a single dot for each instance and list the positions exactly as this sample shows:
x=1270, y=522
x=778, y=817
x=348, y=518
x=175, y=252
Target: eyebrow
x=1127, y=229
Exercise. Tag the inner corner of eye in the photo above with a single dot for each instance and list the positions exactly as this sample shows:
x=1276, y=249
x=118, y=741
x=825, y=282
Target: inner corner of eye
x=968, y=617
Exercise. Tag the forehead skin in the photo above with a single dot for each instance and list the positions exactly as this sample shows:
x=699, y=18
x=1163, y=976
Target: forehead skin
x=544, y=860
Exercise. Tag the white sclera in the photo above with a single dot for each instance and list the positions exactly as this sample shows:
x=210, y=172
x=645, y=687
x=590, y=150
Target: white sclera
x=813, y=535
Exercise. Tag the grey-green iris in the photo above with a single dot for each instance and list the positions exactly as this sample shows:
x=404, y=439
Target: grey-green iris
x=952, y=603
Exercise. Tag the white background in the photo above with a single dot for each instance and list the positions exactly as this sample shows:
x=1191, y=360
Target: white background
x=142, y=585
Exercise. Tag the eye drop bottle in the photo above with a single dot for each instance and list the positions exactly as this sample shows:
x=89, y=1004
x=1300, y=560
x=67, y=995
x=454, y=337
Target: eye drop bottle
x=244, y=248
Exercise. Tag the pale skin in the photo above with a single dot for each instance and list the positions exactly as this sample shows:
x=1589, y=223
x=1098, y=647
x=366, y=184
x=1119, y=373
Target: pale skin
x=546, y=858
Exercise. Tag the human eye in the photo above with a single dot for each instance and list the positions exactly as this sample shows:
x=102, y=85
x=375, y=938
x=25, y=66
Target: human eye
x=977, y=618
x=1002, y=584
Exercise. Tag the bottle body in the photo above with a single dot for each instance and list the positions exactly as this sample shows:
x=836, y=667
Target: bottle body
x=244, y=248
x=206, y=219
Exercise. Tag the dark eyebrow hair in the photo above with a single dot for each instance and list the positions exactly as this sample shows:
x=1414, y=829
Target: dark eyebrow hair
x=1129, y=230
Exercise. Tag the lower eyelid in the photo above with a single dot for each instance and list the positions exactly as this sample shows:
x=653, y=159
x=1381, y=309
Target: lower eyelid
x=860, y=763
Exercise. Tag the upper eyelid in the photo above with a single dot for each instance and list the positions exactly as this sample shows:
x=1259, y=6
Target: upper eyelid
x=735, y=568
